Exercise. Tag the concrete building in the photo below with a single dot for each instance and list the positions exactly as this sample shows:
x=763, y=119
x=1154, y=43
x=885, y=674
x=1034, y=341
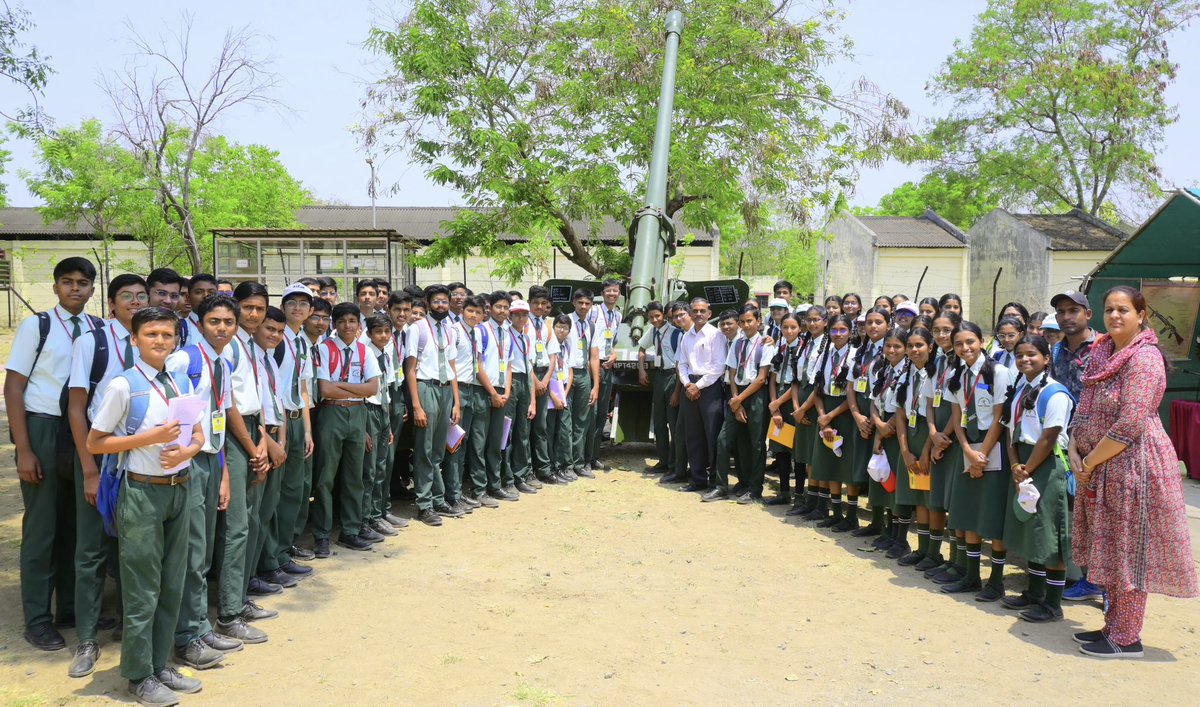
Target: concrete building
x=1036, y=256
x=886, y=255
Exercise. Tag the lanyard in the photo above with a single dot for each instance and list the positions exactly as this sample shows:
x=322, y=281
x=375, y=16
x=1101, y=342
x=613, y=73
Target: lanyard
x=155, y=388
x=524, y=344
x=295, y=358
x=582, y=335
x=116, y=345
x=64, y=324
x=835, y=370
x=747, y=350
x=868, y=358
x=945, y=366
x=608, y=324
x=1026, y=389
x=969, y=392
x=218, y=398
x=470, y=335
x=440, y=346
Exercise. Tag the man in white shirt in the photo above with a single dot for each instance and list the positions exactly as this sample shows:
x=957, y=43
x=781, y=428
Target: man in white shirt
x=516, y=466
x=607, y=320
x=701, y=367
x=268, y=337
x=584, y=344
x=474, y=403
x=38, y=368
x=200, y=288
x=495, y=352
x=545, y=354
x=662, y=340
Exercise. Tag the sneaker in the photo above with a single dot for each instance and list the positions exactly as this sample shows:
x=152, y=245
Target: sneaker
x=198, y=655
x=152, y=693
x=251, y=611
x=1041, y=613
x=1083, y=591
x=1108, y=648
x=444, y=510
x=1085, y=637
x=175, y=681
x=382, y=527
x=84, y=662
x=429, y=517
x=486, y=501
x=354, y=542
x=367, y=535
x=395, y=521
x=321, y=548
x=569, y=475
x=302, y=554
x=221, y=643
x=240, y=630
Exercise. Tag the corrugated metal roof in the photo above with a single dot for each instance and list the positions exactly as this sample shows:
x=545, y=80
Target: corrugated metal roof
x=1075, y=230
x=911, y=232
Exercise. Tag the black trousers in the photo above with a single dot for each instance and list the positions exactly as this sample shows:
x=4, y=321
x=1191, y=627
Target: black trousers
x=702, y=418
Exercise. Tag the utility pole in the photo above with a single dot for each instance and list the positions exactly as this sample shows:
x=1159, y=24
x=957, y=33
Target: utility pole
x=371, y=190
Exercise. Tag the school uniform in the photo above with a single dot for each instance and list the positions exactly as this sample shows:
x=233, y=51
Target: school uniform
x=153, y=517
x=943, y=473
x=376, y=460
x=888, y=383
x=916, y=428
x=581, y=340
x=862, y=383
x=398, y=409
x=783, y=369
x=473, y=405
x=702, y=362
x=515, y=465
x=295, y=379
x=805, y=371
x=311, y=464
x=261, y=557
x=341, y=439
x=495, y=350
x=978, y=504
x=48, y=523
x=93, y=547
x=558, y=420
x=664, y=342
x=744, y=361
x=433, y=345
x=826, y=466
x=213, y=384
x=606, y=323
x=540, y=332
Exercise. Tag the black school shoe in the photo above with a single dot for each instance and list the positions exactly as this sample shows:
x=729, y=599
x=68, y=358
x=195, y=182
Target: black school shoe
x=989, y=594
x=354, y=542
x=1109, y=649
x=321, y=548
x=299, y=553
x=962, y=586
x=45, y=637
x=1041, y=613
x=928, y=563
x=1018, y=602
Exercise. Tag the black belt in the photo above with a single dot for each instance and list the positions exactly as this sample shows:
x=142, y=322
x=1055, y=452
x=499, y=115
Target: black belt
x=272, y=429
x=581, y=369
x=519, y=373
x=435, y=384
x=341, y=403
x=694, y=378
x=172, y=480
x=44, y=416
x=293, y=414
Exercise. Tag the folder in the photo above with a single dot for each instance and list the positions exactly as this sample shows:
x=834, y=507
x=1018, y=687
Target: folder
x=784, y=435
x=454, y=437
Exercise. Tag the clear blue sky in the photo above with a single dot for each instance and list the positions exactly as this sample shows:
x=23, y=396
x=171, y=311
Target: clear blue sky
x=317, y=51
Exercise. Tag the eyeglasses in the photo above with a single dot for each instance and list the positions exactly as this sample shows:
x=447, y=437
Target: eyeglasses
x=325, y=318
x=297, y=304
x=839, y=332
x=127, y=297
x=163, y=294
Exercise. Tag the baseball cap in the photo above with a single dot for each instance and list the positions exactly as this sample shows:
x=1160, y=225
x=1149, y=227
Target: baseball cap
x=777, y=302
x=296, y=289
x=1050, y=323
x=1075, y=296
x=519, y=306
x=1025, y=501
x=802, y=308
x=908, y=307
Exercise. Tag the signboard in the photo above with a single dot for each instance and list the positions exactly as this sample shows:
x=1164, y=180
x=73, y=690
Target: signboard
x=1172, y=308
x=720, y=295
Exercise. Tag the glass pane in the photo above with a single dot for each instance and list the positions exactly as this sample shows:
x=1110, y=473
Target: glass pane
x=237, y=257
x=325, y=257
x=367, y=258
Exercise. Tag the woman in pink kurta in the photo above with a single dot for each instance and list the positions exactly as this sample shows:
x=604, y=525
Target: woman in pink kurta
x=1130, y=526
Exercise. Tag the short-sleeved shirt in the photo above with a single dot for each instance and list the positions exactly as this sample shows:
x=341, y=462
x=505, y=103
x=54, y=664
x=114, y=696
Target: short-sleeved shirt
x=917, y=392
x=522, y=350
x=179, y=361
x=606, y=322
x=860, y=372
x=386, y=372
x=1067, y=366
x=810, y=359
x=1058, y=414
x=746, y=356
x=545, y=344
x=83, y=353
x=566, y=356
x=942, y=373
x=467, y=353
x=664, y=342
x=581, y=340
x=44, y=390
x=831, y=364
x=269, y=382
x=348, y=366
x=494, y=348
x=431, y=342
x=295, y=369
x=316, y=354
x=785, y=370
x=982, y=398
x=110, y=418
x=245, y=373
x=887, y=399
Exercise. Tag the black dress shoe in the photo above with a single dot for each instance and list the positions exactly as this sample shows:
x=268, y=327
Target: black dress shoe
x=598, y=465
x=106, y=623
x=898, y=549
x=797, y=510
x=911, y=559
x=748, y=498
x=962, y=586
x=321, y=548
x=715, y=495
x=928, y=562
x=1041, y=613
x=532, y=481
x=848, y=524
x=553, y=480
x=443, y=510
x=259, y=588
x=866, y=531
x=499, y=495
x=300, y=553
x=395, y=521
x=45, y=637
x=405, y=494
x=365, y=533
x=989, y=594
x=585, y=473
x=353, y=542
x=523, y=487
x=279, y=577
x=384, y=528
x=693, y=487
x=674, y=478
x=429, y=517
x=84, y=662
x=778, y=501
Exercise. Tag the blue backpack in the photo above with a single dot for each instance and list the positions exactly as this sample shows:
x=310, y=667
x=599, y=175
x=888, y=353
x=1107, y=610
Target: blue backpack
x=1043, y=402
x=112, y=468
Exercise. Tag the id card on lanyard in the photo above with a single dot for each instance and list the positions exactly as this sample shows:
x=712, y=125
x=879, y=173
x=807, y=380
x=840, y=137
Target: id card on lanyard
x=218, y=413
x=834, y=389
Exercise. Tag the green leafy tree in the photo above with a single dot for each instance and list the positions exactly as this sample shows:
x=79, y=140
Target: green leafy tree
x=960, y=199
x=1061, y=102
x=22, y=65
x=541, y=113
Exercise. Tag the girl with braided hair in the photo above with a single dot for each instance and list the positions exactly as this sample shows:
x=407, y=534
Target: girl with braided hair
x=869, y=352
x=912, y=430
x=889, y=370
x=831, y=464
x=946, y=461
x=783, y=372
x=808, y=355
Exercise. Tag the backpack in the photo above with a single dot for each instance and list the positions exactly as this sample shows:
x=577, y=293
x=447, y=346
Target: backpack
x=99, y=362
x=112, y=468
x=335, y=355
x=43, y=334
x=1043, y=402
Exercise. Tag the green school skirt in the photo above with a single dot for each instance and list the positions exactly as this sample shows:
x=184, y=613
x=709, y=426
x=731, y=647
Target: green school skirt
x=862, y=455
x=876, y=496
x=945, y=472
x=806, y=435
x=1046, y=537
x=825, y=465
x=977, y=505
x=905, y=496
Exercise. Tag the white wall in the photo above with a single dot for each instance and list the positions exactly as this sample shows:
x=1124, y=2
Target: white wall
x=899, y=269
x=33, y=270
x=1065, y=267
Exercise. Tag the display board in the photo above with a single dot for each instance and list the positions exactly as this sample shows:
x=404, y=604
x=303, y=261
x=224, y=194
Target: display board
x=1173, y=309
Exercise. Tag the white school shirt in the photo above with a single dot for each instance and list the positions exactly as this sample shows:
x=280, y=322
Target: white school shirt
x=395, y=352
x=607, y=322
x=744, y=354
x=386, y=372
x=45, y=386
x=269, y=382
x=522, y=349
x=663, y=342
x=83, y=352
x=892, y=377
x=1058, y=414
x=358, y=371
x=178, y=362
x=919, y=391
x=545, y=344
x=567, y=355
x=860, y=375
x=244, y=381
x=583, y=335
x=811, y=360
x=494, y=346
x=467, y=353
x=984, y=400
x=834, y=361
x=938, y=382
x=426, y=341
x=191, y=323
x=785, y=372
x=295, y=365
x=316, y=354
x=702, y=353
x=110, y=418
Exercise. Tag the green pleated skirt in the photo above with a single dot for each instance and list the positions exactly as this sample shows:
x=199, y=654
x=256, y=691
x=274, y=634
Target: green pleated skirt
x=826, y=466
x=945, y=472
x=905, y=495
x=1045, y=538
x=806, y=435
x=978, y=505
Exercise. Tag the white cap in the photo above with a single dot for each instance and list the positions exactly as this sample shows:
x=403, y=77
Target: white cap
x=297, y=289
x=1027, y=496
x=908, y=307
x=777, y=302
x=802, y=308
x=519, y=305
x=878, y=467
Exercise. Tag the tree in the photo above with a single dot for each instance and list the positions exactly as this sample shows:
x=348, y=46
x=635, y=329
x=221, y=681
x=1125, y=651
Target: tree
x=22, y=65
x=1060, y=102
x=541, y=114
x=166, y=120
x=960, y=199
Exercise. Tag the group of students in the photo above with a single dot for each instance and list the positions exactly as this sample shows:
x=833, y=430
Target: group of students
x=197, y=433
x=906, y=404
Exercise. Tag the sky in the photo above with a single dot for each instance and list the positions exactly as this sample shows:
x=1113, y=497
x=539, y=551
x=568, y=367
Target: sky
x=317, y=51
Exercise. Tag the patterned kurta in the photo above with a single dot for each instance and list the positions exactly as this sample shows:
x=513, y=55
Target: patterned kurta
x=1130, y=525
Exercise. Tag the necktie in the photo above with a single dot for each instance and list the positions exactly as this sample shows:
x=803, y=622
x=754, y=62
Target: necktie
x=218, y=391
x=128, y=352
x=272, y=393
x=345, y=365
x=75, y=330
x=253, y=365
x=383, y=396
x=299, y=351
x=165, y=381
x=500, y=352
x=658, y=355
x=395, y=355
x=471, y=333
x=443, y=369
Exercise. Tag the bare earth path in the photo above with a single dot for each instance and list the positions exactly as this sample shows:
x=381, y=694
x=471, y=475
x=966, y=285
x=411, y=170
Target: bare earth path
x=619, y=591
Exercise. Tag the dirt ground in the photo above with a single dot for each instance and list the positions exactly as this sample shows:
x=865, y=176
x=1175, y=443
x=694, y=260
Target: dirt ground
x=620, y=591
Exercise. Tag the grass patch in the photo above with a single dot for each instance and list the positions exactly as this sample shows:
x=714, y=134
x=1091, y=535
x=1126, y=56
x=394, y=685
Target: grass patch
x=534, y=695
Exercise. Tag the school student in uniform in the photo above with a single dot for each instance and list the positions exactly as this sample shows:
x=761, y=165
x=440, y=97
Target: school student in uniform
x=400, y=312
x=867, y=358
x=783, y=371
x=165, y=287
x=945, y=456
x=771, y=326
x=268, y=337
x=807, y=359
x=661, y=338
x=885, y=407
x=701, y=367
x=39, y=367
x=346, y=376
x=433, y=386
x=295, y=376
x=96, y=357
x=464, y=473
x=606, y=319
x=833, y=420
x=912, y=432
x=200, y=288
x=540, y=332
x=584, y=341
x=366, y=296
x=377, y=455
x=977, y=508
x=515, y=471
x=316, y=329
x=1036, y=412
x=681, y=319
x=152, y=512
x=210, y=379
x=495, y=351
x=558, y=419
x=748, y=363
